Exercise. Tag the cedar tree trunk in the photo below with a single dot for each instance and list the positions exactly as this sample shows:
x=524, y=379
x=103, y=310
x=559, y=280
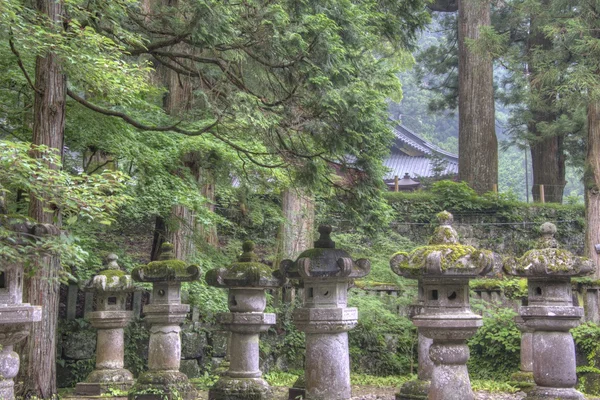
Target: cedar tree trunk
x=296, y=232
x=591, y=180
x=38, y=365
x=547, y=153
x=477, y=143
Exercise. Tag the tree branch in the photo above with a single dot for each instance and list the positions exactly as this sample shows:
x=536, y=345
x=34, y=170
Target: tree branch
x=22, y=67
x=137, y=124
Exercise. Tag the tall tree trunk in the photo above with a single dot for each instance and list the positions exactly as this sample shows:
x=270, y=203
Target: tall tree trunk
x=591, y=180
x=181, y=228
x=547, y=153
x=178, y=228
x=207, y=183
x=296, y=232
x=38, y=366
x=477, y=143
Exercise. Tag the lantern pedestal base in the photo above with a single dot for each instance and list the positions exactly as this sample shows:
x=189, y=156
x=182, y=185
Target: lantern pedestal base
x=163, y=385
x=240, y=389
x=414, y=390
x=545, y=393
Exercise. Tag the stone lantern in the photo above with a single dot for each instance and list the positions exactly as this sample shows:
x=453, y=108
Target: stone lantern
x=417, y=389
x=16, y=317
x=165, y=314
x=550, y=313
x=444, y=268
x=325, y=273
x=246, y=280
x=111, y=287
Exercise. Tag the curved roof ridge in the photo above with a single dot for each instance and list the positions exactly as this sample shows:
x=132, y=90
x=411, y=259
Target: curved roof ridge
x=413, y=140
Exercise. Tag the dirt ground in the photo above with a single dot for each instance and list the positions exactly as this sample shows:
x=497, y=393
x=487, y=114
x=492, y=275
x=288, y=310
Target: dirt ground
x=386, y=393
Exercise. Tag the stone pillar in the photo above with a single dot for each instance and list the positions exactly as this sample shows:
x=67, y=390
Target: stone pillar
x=524, y=378
x=418, y=389
x=325, y=273
x=247, y=281
x=110, y=318
x=165, y=314
x=591, y=303
x=16, y=317
x=444, y=269
x=550, y=314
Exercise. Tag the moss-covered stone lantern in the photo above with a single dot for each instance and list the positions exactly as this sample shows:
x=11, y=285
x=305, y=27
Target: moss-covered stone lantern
x=550, y=313
x=444, y=268
x=246, y=280
x=16, y=317
x=111, y=287
x=325, y=273
x=165, y=314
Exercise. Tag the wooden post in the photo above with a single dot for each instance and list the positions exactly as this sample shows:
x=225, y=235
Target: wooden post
x=542, y=195
x=495, y=188
x=396, y=187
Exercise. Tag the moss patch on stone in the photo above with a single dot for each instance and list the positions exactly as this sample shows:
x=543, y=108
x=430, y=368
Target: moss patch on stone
x=242, y=273
x=451, y=255
x=554, y=261
x=313, y=253
x=111, y=273
x=162, y=267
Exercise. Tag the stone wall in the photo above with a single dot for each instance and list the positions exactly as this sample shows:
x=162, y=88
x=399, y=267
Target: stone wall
x=495, y=232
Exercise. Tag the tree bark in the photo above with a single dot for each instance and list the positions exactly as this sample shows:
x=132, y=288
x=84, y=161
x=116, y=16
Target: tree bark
x=207, y=182
x=296, y=232
x=591, y=180
x=38, y=364
x=477, y=143
x=547, y=153
x=179, y=228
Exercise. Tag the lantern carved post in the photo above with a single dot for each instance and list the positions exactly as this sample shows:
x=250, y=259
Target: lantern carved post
x=16, y=317
x=325, y=273
x=111, y=287
x=246, y=280
x=550, y=314
x=165, y=314
x=444, y=268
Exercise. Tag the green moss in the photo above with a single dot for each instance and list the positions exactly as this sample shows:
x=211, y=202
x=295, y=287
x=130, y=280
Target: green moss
x=486, y=284
x=451, y=254
x=313, y=253
x=110, y=273
x=586, y=281
x=250, y=268
x=555, y=260
x=159, y=268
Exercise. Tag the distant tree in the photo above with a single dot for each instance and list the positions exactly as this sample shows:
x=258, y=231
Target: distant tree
x=475, y=92
x=477, y=143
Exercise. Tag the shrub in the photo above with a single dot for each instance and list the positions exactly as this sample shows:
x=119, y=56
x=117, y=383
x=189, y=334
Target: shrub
x=496, y=347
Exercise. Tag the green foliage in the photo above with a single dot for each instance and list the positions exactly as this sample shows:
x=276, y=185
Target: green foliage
x=204, y=382
x=379, y=381
x=383, y=343
x=137, y=336
x=587, y=340
x=495, y=348
x=378, y=248
x=493, y=386
x=89, y=199
x=513, y=288
x=281, y=378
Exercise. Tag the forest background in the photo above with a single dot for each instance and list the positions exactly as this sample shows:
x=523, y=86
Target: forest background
x=207, y=122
